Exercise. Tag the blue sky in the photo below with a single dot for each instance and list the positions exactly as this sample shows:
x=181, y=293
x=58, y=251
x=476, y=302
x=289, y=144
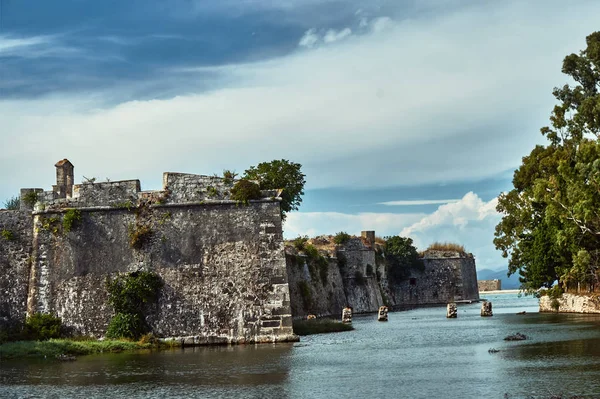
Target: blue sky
x=408, y=117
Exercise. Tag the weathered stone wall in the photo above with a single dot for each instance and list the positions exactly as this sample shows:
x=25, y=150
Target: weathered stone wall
x=15, y=253
x=572, y=303
x=445, y=277
x=223, y=266
x=309, y=294
x=489, y=285
x=106, y=193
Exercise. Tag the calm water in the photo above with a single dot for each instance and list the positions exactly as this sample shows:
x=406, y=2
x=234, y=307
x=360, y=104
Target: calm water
x=417, y=354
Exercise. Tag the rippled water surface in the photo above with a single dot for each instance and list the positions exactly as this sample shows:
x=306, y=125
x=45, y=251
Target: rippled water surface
x=417, y=354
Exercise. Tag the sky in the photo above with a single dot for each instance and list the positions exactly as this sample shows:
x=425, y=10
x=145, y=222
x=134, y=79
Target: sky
x=409, y=117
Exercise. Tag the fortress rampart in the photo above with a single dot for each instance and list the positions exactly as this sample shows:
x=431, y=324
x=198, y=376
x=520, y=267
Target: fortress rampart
x=222, y=263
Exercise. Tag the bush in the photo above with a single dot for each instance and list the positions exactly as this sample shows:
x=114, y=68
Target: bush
x=311, y=252
x=229, y=176
x=126, y=325
x=244, y=190
x=300, y=242
x=7, y=235
x=13, y=203
x=42, y=327
x=30, y=198
x=71, y=219
x=130, y=296
x=139, y=236
x=341, y=238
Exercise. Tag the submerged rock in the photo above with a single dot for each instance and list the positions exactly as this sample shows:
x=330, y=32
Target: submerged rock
x=516, y=337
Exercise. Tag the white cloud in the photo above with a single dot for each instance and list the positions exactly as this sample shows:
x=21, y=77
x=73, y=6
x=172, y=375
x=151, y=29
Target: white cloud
x=380, y=24
x=310, y=39
x=425, y=100
x=33, y=47
x=333, y=36
x=417, y=202
x=457, y=214
x=469, y=222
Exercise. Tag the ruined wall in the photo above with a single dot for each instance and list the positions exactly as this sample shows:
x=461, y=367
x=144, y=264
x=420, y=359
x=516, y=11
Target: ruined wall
x=571, y=303
x=489, y=285
x=445, y=277
x=15, y=252
x=223, y=266
x=309, y=292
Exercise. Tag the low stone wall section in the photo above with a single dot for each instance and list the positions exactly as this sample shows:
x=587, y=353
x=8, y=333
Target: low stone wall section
x=572, y=303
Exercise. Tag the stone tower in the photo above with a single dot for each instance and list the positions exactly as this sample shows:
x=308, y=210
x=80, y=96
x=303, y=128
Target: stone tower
x=64, y=179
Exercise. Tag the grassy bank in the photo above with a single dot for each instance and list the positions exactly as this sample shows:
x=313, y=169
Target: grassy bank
x=56, y=347
x=320, y=326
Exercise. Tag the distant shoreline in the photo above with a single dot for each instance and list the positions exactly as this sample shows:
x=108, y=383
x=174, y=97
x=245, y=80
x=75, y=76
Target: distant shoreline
x=500, y=292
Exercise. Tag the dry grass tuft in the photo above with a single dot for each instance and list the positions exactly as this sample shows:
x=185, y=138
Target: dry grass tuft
x=446, y=246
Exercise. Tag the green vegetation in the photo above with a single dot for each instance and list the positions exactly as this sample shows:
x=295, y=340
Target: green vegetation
x=280, y=174
x=299, y=242
x=139, y=235
x=402, y=257
x=30, y=198
x=447, y=246
x=13, y=203
x=341, y=238
x=319, y=326
x=57, y=347
x=7, y=235
x=551, y=225
x=41, y=327
x=51, y=224
x=125, y=204
x=71, y=219
x=212, y=192
x=130, y=295
x=229, y=176
x=244, y=190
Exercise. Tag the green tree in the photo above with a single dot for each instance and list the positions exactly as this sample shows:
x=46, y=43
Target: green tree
x=280, y=174
x=401, y=256
x=551, y=224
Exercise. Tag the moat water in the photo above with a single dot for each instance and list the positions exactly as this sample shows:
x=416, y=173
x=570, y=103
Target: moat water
x=417, y=354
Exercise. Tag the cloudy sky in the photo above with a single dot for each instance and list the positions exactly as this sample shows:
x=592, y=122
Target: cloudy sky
x=408, y=116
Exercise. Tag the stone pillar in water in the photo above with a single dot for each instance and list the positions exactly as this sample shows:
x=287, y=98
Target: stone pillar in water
x=486, y=309
x=347, y=315
x=383, y=313
x=451, y=311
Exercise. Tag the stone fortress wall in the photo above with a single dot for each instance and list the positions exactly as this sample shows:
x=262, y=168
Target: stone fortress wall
x=222, y=263
x=489, y=285
x=444, y=277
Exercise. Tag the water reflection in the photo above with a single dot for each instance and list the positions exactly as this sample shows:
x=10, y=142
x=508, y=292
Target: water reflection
x=417, y=354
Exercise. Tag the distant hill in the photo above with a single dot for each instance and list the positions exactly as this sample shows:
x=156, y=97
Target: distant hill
x=508, y=283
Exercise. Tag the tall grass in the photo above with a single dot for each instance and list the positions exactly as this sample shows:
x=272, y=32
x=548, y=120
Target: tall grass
x=446, y=246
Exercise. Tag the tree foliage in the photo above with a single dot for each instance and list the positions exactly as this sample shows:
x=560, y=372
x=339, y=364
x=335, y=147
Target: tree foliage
x=401, y=256
x=551, y=224
x=280, y=174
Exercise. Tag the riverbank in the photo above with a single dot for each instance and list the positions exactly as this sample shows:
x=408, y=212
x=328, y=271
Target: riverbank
x=320, y=326
x=66, y=348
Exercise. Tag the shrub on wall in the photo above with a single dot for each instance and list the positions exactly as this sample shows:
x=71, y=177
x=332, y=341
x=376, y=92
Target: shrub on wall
x=7, y=235
x=13, y=203
x=341, y=238
x=130, y=295
x=244, y=190
x=139, y=236
x=71, y=219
